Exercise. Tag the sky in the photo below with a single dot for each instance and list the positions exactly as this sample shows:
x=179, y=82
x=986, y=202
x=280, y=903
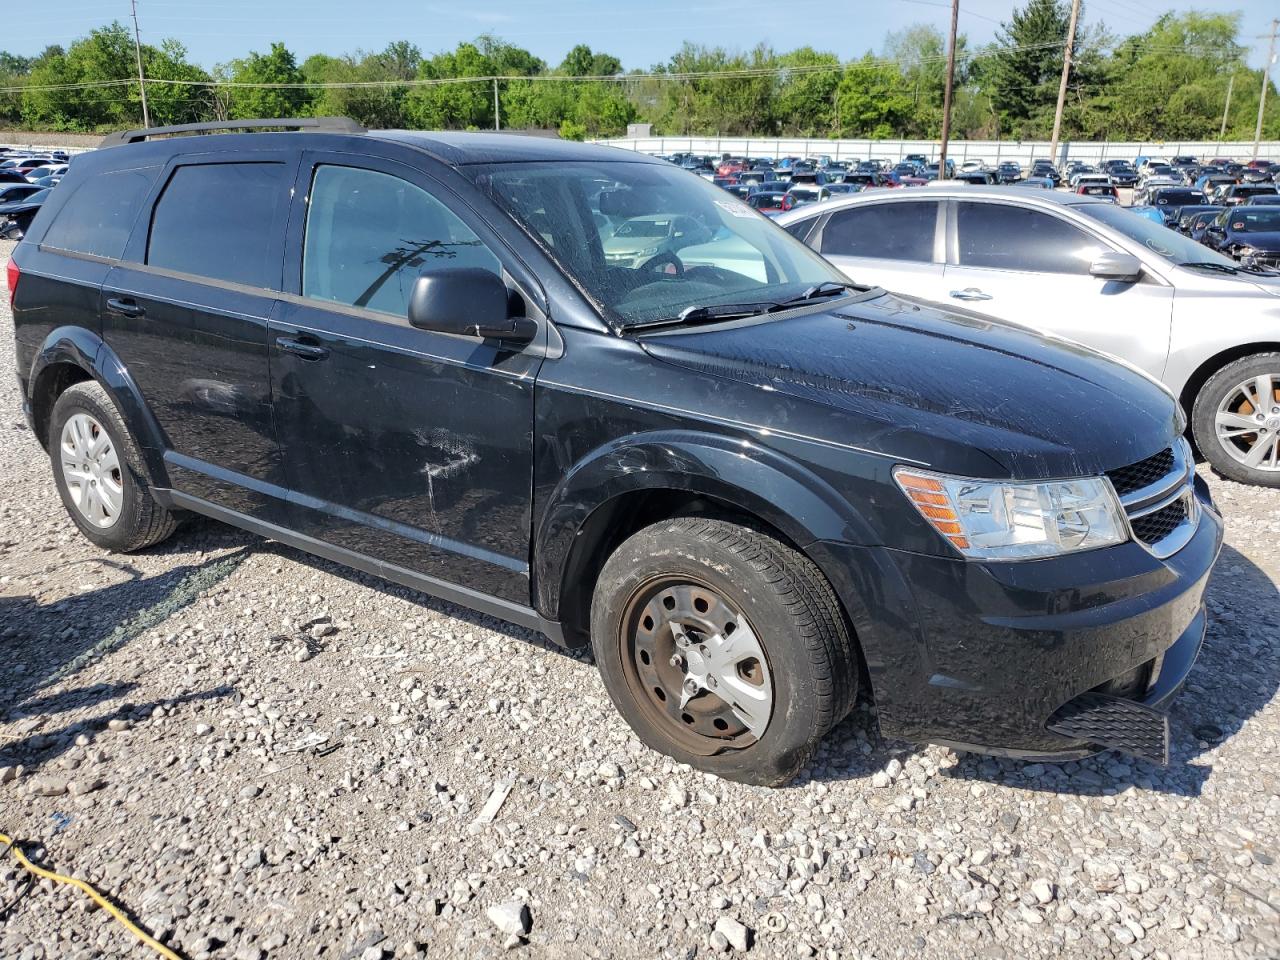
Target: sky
x=641, y=33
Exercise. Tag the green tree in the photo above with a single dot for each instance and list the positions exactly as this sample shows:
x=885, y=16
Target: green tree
x=804, y=97
x=277, y=65
x=871, y=100
x=1025, y=67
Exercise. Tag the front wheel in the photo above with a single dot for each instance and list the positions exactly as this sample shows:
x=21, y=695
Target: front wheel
x=1236, y=420
x=722, y=647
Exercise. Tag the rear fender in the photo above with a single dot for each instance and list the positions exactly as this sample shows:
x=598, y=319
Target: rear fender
x=85, y=349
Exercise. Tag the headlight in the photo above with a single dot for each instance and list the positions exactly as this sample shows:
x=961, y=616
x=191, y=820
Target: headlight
x=999, y=520
x=647, y=251
x=1245, y=251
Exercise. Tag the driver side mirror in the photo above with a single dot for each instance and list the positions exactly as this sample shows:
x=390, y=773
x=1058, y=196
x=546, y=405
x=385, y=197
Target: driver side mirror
x=1116, y=266
x=468, y=302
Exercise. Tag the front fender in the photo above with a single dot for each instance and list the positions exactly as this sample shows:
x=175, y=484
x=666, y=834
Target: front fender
x=83, y=348
x=757, y=480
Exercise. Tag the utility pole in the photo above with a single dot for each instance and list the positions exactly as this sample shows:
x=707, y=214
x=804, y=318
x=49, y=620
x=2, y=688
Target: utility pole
x=497, y=123
x=946, y=93
x=142, y=80
x=1222, y=133
x=1062, y=84
x=1266, y=82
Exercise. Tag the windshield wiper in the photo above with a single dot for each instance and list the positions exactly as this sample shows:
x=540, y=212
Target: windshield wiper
x=1210, y=265
x=829, y=288
x=711, y=312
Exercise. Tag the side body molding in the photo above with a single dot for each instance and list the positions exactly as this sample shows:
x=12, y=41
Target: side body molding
x=85, y=349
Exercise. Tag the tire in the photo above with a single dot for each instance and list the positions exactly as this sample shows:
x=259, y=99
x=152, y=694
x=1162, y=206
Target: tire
x=764, y=597
x=1233, y=392
x=129, y=518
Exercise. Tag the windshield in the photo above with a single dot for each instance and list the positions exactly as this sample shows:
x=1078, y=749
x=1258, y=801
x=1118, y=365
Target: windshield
x=1179, y=196
x=1156, y=237
x=720, y=252
x=1254, y=220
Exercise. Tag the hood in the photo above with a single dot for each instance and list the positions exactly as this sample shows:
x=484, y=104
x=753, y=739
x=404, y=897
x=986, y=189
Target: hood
x=951, y=389
x=19, y=206
x=1268, y=240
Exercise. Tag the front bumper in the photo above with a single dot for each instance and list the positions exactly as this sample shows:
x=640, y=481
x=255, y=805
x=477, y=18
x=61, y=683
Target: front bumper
x=980, y=656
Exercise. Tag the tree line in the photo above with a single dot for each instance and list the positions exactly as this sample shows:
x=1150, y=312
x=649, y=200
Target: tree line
x=1170, y=82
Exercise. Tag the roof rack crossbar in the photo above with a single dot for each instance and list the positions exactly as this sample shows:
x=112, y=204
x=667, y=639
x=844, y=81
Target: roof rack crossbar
x=325, y=124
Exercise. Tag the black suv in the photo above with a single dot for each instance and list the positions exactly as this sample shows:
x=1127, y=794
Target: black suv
x=584, y=391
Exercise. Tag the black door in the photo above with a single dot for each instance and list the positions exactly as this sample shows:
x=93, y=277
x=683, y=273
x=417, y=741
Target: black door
x=410, y=447
x=187, y=313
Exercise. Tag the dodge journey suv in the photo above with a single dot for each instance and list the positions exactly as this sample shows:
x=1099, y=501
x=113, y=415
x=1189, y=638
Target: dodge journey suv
x=751, y=486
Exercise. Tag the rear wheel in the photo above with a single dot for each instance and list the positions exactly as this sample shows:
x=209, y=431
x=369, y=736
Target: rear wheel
x=722, y=647
x=1236, y=420
x=98, y=469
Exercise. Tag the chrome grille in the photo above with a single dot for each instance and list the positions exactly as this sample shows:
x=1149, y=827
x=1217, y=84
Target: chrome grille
x=1143, y=473
x=1154, y=527
x=1159, y=499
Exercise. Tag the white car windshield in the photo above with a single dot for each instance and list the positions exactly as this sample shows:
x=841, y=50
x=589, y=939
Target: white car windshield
x=1156, y=237
x=712, y=250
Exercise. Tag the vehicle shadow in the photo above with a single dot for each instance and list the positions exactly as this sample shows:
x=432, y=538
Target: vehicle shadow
x=45, y=644
x=1236, y=676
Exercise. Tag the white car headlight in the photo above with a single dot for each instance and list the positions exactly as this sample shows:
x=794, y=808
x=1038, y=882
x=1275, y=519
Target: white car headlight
x=1002, y=520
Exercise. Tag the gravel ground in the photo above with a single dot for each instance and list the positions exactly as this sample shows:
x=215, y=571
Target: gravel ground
x=263, y=755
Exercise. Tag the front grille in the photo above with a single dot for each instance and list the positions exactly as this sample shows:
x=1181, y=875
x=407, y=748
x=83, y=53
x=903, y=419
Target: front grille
x=1143, y=473
x=1159, y=499
x=1154, y=527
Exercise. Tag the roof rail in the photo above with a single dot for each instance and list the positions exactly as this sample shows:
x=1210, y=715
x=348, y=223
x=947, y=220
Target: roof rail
x=325, y=124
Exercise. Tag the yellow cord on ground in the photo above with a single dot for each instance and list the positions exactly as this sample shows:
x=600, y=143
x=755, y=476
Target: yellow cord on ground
x=99, y=899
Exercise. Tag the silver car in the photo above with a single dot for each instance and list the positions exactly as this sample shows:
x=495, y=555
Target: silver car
x=1088, y=271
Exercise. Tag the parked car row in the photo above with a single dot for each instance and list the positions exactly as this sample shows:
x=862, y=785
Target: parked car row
x=25, y=182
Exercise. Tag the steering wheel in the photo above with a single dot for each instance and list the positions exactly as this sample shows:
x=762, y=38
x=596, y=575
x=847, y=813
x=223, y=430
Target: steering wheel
x=673, y=265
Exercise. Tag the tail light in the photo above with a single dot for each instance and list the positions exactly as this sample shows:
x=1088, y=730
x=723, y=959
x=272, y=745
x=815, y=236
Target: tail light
x=1081, y=190
x=11, y=278
x=787, y=203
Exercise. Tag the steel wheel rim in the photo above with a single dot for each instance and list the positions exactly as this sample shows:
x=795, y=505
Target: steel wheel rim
x=91, y=469
x=696, y=665
x=1247, y=422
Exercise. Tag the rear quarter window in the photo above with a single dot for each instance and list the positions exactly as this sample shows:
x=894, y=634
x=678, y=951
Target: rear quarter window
x=99, y=215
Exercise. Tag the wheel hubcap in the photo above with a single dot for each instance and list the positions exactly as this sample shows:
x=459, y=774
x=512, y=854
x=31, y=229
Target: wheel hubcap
x=91, y=469
x=1248, y=422
x=698, y=666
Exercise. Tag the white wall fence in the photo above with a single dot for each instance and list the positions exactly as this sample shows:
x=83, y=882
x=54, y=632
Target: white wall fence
x=992, y=151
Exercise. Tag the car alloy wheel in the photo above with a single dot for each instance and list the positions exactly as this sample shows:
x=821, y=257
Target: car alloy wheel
x=1247, y=422
x=91, y=469
x=696, y=665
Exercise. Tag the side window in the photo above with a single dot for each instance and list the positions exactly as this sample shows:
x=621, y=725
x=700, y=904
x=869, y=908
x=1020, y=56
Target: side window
x=99, y=215
x=886, y=231
x=1006, y=237
x=215, y=220
x=800, y=229
x=370, y=235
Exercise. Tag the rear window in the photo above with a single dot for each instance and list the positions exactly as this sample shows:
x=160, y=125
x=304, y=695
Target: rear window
x=99, y=215
x=216, y=220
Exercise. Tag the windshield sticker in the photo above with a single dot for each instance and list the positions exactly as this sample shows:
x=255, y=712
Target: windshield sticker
x=1238, y=225
x=734, y=209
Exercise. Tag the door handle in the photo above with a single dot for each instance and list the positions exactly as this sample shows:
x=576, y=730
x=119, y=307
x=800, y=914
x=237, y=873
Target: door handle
x=307, y=351
x=125, y=306
x=970, y=293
